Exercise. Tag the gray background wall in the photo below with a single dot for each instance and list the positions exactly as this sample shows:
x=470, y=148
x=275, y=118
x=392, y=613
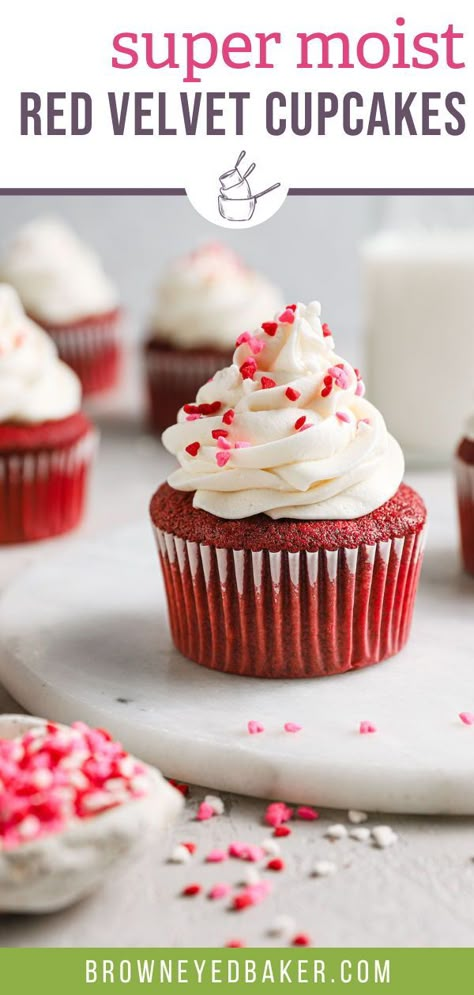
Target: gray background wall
x=310, y=247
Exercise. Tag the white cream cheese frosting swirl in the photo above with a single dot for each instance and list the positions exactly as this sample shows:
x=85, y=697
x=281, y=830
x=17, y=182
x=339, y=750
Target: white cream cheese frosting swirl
x=35, y=386
x=285, y=431
x=58, y=278
x=207, y=297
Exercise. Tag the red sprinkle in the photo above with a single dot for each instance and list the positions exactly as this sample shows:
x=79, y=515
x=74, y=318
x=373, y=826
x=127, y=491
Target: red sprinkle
x=228, y=416
x=242, y=901
x=276, y=864
x=300, y=422
x=219, y=433
x=267, y=382
x=291, y=307
x=301, y=940
x=202, y=409
x=307, y=813
x=235, y=943
x=326, y=331
x=183, y=788
x=282, y=831
x=193, y=448
x=287, y=317
x=248, y=369
x=292, y=394
x=191, y=847
x=270, y=327
x=191, y=889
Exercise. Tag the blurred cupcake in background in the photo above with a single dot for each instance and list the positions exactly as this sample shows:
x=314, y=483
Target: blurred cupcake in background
x=46, y=443
x=465, y=490
x=63, y=287
x=290, y=545
x=204, y=300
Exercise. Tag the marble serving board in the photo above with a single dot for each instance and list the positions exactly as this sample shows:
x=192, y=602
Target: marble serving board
x=84, y=634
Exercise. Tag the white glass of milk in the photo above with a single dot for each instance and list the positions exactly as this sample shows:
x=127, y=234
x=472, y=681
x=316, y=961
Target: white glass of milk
x=418, y=317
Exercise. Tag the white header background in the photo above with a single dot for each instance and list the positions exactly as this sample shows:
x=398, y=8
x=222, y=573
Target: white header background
x=66, y=47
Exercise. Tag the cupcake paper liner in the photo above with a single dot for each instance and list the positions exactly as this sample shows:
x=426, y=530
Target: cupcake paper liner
x=42, y=493
x=465, y=489
x=287, y=615
x=92, y=348
x=173, y=379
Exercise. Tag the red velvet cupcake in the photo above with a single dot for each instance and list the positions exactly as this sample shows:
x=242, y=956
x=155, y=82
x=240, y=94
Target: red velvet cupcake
x=46, y=443
x=289, y=545
x=64, y=289
x=203, y=302
x=465, y=491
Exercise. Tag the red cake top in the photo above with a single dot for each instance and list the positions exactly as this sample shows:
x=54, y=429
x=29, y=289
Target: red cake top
x=173, y=511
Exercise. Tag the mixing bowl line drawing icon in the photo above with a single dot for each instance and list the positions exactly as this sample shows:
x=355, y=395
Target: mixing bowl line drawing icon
x=236, y=201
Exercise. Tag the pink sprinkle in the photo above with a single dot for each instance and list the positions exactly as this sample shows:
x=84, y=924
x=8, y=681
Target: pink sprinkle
x=251, y=895
x=193, y=417
x=216, y=857
x=467, y=718
x=363, y=421
x=255, y=727
x=256, y=345
x=292, y=394
x=307, y=813
x=244, y=337
x=308, y=424
x=342, y=416
x=366, y=727
x=222, y=458
x=360, y=389
x=292, y=727
x=236, y=849
x=204, y=812
x=246, y=851
x=277, y=813
x=287, y=317
x=223, y=443
x=219, y=891
x=242, y=445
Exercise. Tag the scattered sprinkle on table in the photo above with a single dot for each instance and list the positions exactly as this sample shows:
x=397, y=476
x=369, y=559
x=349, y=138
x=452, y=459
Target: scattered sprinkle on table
x=356, y=817
x=467, y=718
x=383, y=836
x=255, y=727
x=324, y=868
x=367, y=727
x=336, y=832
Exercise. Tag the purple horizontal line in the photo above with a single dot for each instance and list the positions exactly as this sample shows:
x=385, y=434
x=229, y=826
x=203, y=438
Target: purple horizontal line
x=292, y=192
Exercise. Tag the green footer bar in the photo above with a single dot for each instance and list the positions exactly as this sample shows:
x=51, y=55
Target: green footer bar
x=74, y=972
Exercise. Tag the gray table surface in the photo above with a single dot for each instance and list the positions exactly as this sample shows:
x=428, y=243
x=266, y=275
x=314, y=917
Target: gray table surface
x=420, y=892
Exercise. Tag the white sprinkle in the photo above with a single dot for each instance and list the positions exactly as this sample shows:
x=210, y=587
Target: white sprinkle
x=336, y=832
x=180, y=855
x=282, y=926
x=251, y=876
x=271, y=847
x=216, y=803
x=323, y=868
x=29, y=827
x=42, y=778
x=361, y=834
x=356, y=817
x=383, y=836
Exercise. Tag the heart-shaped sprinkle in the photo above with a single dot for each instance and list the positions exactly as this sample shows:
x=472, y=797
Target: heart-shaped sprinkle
x=222, y=458
x=248, y=369
x=287, y=317
x=193, y=448
x=326, y=331
x=228, y=416
x=255, y=727
x=270, y=327
x=292, y=394
x=367, y=727
x=219, y=433
x=267, y=383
